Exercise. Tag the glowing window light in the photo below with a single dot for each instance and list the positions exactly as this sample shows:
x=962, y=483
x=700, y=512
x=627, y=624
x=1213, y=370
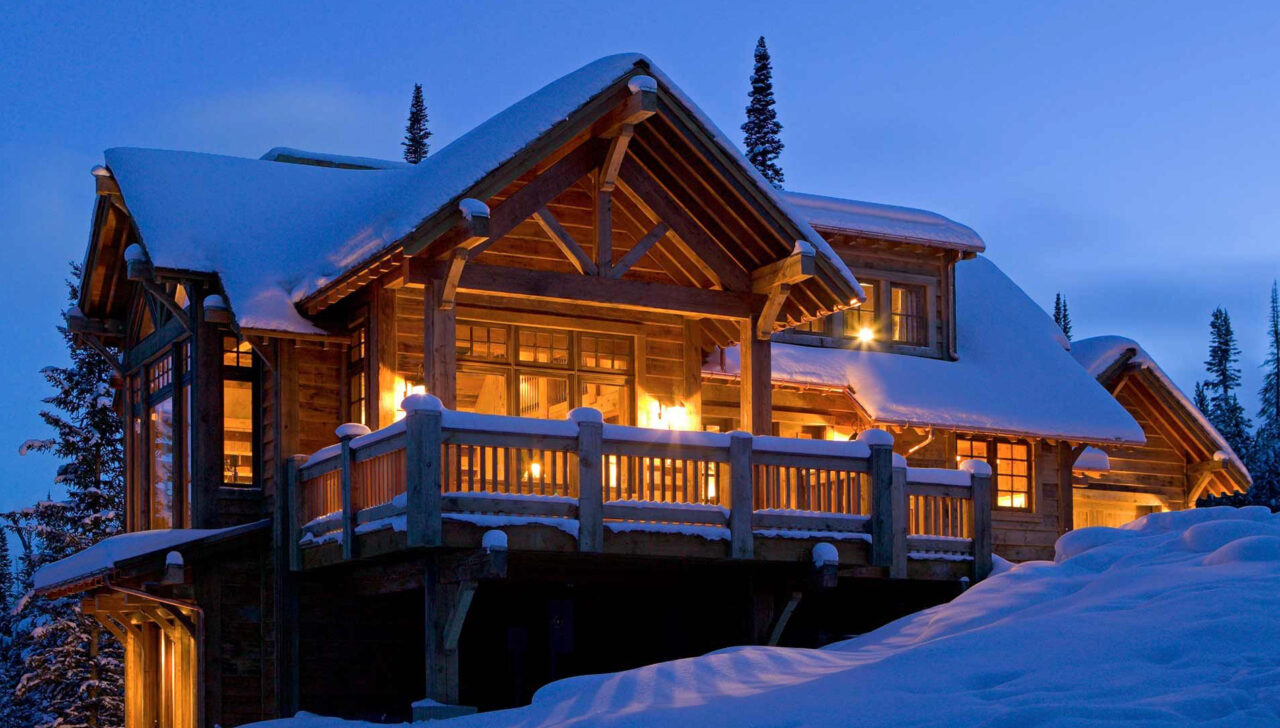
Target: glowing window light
x=866, y=335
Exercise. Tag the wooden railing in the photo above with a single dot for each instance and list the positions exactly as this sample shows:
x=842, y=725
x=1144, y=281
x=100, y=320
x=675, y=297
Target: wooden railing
x=437, y=461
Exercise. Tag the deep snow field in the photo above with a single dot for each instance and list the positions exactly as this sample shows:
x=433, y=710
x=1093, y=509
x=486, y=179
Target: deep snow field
x=1173, y=619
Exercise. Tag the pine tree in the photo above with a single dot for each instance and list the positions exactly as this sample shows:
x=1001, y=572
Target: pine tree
x=1061, y=316
x=760, y=132
x=415, y=132
x=1202, y=399
x=72, y=672
x=1225, y=411
x=1265, y=465
x=8, y=654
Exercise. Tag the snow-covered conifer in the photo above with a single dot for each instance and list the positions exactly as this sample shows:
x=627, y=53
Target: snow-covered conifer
x=760, y=132
x=415, y=132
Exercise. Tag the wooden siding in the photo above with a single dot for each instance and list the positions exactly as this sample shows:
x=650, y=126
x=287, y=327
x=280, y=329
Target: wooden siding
x=320, y=392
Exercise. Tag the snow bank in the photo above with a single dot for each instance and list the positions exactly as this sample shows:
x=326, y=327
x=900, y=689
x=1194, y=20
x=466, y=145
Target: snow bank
x=1168, y=621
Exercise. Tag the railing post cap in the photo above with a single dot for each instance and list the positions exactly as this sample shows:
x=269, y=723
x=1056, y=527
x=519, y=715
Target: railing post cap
x=876, y=437
x=825, y=553
x=494, y=540
x=739, y=435
x=981, y=468
x=350, y=430
x=899, y=462
x=421, y=403
x=586, y=414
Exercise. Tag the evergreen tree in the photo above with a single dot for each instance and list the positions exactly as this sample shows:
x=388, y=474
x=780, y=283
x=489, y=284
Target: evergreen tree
x=1225, y=411
x=72, y=672
x=1061, y=316
x=1202, y=399
x=1265, y=467
x=760, y=132
x=8, y=653
x=415, y=132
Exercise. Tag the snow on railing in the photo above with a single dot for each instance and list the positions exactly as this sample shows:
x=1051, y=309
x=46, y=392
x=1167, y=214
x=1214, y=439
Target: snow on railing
x=437, y=464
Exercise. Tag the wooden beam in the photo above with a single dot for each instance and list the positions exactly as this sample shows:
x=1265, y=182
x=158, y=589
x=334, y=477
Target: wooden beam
x=449, y=289
x=564, y=241
x=439, y=343
x=769, y=315
x=604, y=229
x=164, y=299
x=730, y=274
x=613, y=159
x=755, y=385
x=796, y=267
x=640, y=105
x=638, y=251
x=627, y=294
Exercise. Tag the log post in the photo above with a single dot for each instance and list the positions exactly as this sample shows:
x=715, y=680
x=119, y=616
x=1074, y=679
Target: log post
x=346, y=433
x=882, y=497
x=741, y=496
x=295, y=510
x=1066, y=458
x=423, y=436
x=590, y=478
x=898, y=496
x=756, y=379
x=439, y=345
x=980, y=474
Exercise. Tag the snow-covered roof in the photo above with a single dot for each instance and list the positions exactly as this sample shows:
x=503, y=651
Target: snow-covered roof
x=885, y=221
x=289, y=154
x=1097, y=354
x=103, y=556
x=276, y=233
x=1011, y=374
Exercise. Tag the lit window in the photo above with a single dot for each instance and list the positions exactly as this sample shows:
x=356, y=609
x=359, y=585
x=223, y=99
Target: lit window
x=597, y=351
x=161, y=446
x=1010, y=465
x=860, y=323
x=907, y=315
x=541, y=346
x=356, y=394
x=477, y=341
x=237, y=432
x=236, y=353
x=544, y=397
x=1013, y=475
x=820, y=326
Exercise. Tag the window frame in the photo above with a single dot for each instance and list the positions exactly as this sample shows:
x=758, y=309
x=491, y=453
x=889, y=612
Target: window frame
x=993, y=460
x=575, y=372
x=243, y=374
x=177, y=355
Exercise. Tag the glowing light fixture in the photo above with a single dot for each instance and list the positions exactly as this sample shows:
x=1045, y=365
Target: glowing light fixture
x=535, y=470
x=866, y=335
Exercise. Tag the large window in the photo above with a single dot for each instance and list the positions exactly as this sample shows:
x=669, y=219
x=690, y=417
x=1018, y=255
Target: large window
x=239, y=441
x=1010, y=465
x=542, y=372
x=357, y=390
x=164, y=434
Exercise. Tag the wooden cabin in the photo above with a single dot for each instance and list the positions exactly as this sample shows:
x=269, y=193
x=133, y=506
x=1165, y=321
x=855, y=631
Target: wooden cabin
x=1184, y=457
x=578, y=392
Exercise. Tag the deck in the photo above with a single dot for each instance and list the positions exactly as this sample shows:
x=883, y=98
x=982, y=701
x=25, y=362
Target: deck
x=442, y=478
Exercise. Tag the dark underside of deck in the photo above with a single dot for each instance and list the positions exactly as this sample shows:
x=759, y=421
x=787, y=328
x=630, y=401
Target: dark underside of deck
x=554, y=612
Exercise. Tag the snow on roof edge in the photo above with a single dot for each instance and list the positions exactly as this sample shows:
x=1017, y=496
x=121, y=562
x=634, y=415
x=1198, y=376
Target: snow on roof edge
x=896, y=222
x=273, y=155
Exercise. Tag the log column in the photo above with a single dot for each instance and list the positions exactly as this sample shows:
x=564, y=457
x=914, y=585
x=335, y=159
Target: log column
x=756, y=384
x=439, y=337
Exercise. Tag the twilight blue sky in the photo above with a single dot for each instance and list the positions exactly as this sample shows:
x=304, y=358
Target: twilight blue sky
x=1124, y=153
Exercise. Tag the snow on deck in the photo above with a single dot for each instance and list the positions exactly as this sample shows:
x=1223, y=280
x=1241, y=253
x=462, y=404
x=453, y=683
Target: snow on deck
x=277, y=232
x=885, y=221
x=104, y=555
x=1098, y=353
x=1012, y=374
x=1168, y=621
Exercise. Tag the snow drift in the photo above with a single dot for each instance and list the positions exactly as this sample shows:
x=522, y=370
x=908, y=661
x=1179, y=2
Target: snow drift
x=1173, y=619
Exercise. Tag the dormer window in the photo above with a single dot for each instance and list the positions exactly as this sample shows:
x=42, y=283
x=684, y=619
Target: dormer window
x=909, y=322
x=862, y=324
